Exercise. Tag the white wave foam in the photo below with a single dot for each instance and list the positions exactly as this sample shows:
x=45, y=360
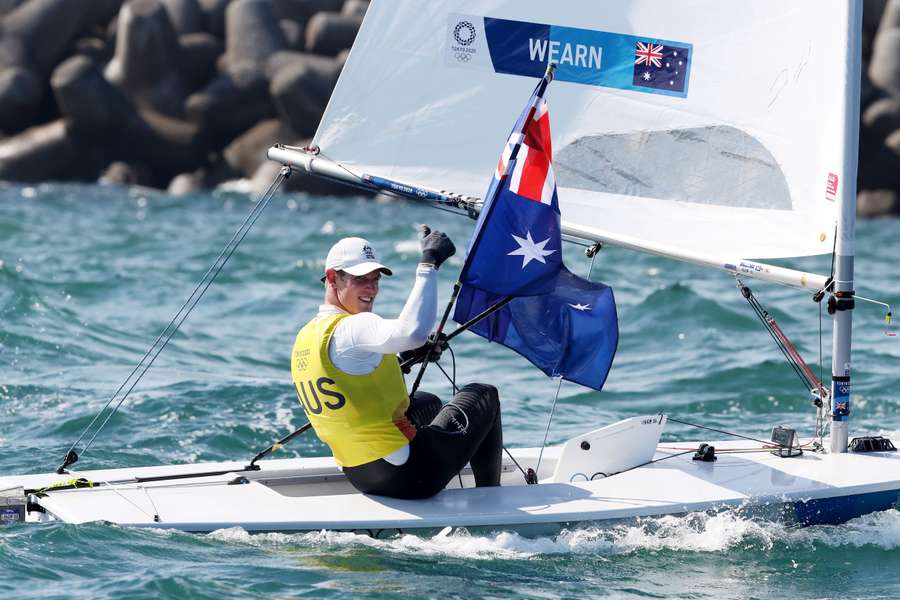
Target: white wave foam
x=698, y=532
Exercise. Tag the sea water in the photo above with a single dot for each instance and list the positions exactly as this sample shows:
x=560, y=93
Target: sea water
x=90, y=275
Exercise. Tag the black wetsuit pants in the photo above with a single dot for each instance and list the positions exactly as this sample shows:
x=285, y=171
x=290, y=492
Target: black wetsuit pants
x=465, y=430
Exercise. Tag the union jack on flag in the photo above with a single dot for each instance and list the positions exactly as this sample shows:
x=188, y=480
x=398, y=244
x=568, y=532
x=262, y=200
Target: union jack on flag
x=515, y=249
x=648, y=54
x=532, y=174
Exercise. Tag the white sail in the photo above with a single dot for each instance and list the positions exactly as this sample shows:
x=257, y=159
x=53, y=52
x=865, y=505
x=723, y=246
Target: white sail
x=743, y=155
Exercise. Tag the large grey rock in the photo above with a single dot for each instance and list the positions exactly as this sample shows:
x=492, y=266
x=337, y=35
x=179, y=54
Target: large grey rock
x=186, y=16
x=231, y=103
x=890, y=15
x=167, y=145
x=47, y=28
x=892, y=142
x=20, y=92
x=199, y=52
x=252, y=33
x=214, y=16
x=13, y=53
x=93, y=47
x=329, y=33
x=884, y=69
x=123, y=173
x=877, y=203
x=86, y=98
x=881, y=117
x=300, y=11
x=41, y=153
x=355, y=8
x=300, y=88
x=873, y=10
x=184, y=184
x=8, y=5
x=878, y=165
x=294, y=34
x=884, y=66
x=148, y=58
x=248, y=151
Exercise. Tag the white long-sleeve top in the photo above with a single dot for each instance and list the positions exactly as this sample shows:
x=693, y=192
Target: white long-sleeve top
x=360, y=341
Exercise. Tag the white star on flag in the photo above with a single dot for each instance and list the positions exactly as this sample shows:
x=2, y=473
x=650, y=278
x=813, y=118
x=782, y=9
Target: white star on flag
x=581, y=307
x=529, y=250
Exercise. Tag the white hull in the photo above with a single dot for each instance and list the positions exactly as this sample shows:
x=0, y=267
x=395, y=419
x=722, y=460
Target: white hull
x=312, y=494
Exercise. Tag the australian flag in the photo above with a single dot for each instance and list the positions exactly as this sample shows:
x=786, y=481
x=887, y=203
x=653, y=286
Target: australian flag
x=516, y=248
x=660, y=66
x=563, y=324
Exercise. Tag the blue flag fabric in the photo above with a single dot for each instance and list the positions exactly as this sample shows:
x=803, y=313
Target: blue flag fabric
x=515, y=249
x=520, y=250
x=565, y=325
x=571, y=332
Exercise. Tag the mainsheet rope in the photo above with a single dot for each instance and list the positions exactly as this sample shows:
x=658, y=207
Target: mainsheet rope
x=171, y=329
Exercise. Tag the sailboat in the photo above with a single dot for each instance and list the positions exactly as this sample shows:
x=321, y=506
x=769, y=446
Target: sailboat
x=719, y=134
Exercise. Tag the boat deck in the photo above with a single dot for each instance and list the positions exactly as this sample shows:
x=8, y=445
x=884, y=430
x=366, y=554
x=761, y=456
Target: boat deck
x=312, y=493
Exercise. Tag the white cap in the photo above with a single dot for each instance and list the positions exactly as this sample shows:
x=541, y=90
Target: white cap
x=355, y=256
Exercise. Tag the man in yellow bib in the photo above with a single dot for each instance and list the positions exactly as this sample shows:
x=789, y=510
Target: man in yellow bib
x=348, y=380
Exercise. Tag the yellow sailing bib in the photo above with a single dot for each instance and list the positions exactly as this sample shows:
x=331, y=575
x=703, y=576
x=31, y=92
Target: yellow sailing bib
x=361, y=417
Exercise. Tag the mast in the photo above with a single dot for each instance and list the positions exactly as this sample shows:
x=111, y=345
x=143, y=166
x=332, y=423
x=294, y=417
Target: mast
x=842, y=298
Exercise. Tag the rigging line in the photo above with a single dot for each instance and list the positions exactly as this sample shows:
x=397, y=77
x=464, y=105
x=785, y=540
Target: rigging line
x=450, y=379
x=338, y=163
x=591, y=268
x=453, y=357
x=821, y=359
x=513, y=458
x=549, y=420
x=833, y=253
x=127, y=499
x=189, y=304
x=761, y=315
x=264, y=202
x=649, y=462
x=724, y=432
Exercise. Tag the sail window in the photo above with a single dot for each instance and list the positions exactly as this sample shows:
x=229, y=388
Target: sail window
x=716, y=165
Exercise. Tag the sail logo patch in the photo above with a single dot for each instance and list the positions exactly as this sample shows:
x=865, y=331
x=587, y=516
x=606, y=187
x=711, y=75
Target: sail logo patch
x=465, y=40
x=464, y=33
x=831, y=187
x=583, y=56
x=660, y=66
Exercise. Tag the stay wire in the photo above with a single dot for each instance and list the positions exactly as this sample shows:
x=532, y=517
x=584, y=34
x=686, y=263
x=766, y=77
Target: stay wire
x=537, y=469
x=722, y=431
x=181, y=315
x=595, y=250
x=761, y=315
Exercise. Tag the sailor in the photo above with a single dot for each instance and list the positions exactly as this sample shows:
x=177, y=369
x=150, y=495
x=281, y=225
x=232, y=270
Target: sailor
x=348, y=379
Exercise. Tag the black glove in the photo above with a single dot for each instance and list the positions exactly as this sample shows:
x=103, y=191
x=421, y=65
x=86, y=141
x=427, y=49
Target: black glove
x=408, y=358
x=436, y=246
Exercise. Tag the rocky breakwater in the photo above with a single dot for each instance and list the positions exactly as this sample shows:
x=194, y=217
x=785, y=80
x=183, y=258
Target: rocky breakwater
x=186, y=94
x=879, y=136
x=173, y=94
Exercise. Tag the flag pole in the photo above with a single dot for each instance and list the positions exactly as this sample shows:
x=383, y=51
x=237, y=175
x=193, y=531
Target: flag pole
x=488, y=206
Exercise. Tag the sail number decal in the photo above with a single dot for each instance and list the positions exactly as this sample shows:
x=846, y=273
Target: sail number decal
x=584, y=56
